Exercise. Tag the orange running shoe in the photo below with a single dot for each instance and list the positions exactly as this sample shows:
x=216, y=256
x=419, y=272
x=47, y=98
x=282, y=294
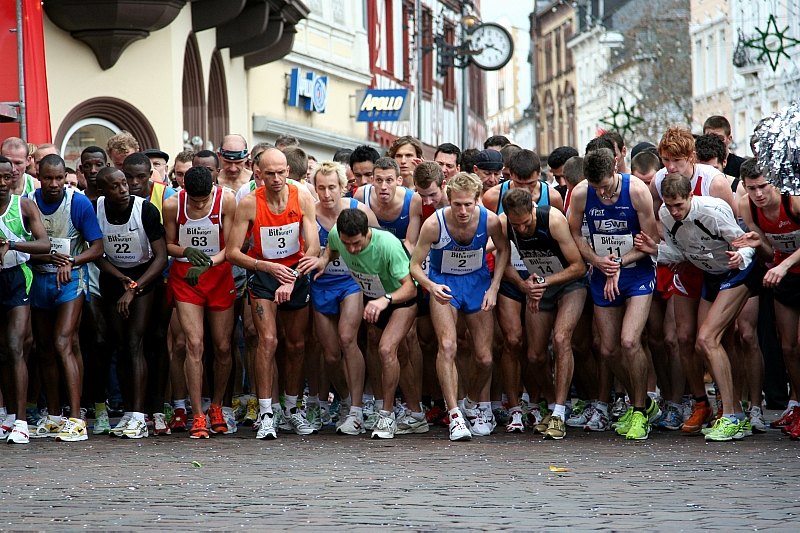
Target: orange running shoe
x=199, y=428
x=701, y=414
x=218, y=423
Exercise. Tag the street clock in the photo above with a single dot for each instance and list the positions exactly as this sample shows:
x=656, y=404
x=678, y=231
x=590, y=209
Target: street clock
x=491, y=46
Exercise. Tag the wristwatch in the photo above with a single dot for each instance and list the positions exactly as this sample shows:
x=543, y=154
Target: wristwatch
x=388, y=297
x=12, y=245
x=71, y=259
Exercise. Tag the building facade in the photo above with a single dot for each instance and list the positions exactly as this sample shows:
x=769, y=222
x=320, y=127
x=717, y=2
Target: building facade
x=712, y=44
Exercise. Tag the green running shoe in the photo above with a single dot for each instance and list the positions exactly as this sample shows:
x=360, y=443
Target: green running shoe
x=623, y=425
x=724, y=430
x=639, y=427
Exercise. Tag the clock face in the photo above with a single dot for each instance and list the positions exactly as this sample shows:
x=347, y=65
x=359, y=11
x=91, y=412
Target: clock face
x=492, y=46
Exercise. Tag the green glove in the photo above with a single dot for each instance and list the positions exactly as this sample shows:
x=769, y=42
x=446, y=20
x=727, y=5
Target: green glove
x=194, y=273
x=196, y=257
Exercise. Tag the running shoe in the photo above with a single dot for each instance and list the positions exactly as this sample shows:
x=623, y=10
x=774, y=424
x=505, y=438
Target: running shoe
x=34, y=414
x=73, y=430
x=218, y=423
x=623, y=424
x=199, y=428
x=756, y=419
x=19, y=433
x=314, y=416
x=556, y=429
x=385, y=427
x=230, y=420
x=351, y=425
x=542, y=426
x=793, y=431
x=458, y=428
x=619, y=408
x=160, y=426
x=725, y=430
x=638, y=426
x=598, y=422
x=299, y=424
x=281, y=422
x=169, y=412
x=266, y=427
x=6, y=426
x=179, y=420
x=701, y=415
x=515, y=425
x=408, y=425
x=434, y=415
x=578, y=407
x=746, y=427
x=239, y=407
x=534, y=415
x=672, y=418
x=501, y=416
x=325, y=415
x=48, y=426
x=251, y=412
x=371, y=420
x=102, y=425
x=580, y=419
x=787, y=418
x=136, y=429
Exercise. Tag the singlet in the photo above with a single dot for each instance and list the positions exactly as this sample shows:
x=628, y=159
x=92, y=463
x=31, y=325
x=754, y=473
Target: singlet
x=278, y=237
x=544, y=195
x=203, y=233
x=157, y=193
x=64, y=236
x=516, y=260
x=125, y=245
x=336, y=271
x=399, y=226
x=447, y=256
x=12, y=227
x=701, y=180
x=612, y=227
x=783, y=234
x=28, y=185
x=541, y=254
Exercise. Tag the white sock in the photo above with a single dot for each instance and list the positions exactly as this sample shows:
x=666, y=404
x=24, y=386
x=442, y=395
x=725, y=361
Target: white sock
x=291, y=403
x=357, y=411
x=367, y=397
x=497, y=405
x=180, y=404
x=469, y=404
x=264, y=406
x=653, y=396
x=485, y=406
x=793, y=404
x=379, y=405
x=3, y=412
x=560, y=410
x=526, y=397
x=10, y=419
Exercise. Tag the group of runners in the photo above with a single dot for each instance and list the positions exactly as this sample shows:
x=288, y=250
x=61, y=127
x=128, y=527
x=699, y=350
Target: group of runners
x=247, y=286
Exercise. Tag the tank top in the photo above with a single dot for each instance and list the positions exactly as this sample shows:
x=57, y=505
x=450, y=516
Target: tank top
x=544, y=200
x=125, y=245
x=157, y=191
x=447, y=256
x=64, y=236
x=612, y=227
x=783, y=234
x=204, y=233
x=544, y=195
x=278, y=237
x=12, y=228
x=335, y=271
x=399, y=226
x=540, y=253
x=28, y=185
x=701, y=179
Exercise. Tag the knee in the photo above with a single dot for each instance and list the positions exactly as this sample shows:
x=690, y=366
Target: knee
x=628, y=344
x=686, y=337
x=222, y=349
x=347, y=339
x=63, y=344
x=748, y=337
x=705, y=344
x=562, y=342
x=194, y=348
x=483, y=362
x=295, y=346
x=268, y=342
x=537, y=358
x=513, y=341
x=448, y=347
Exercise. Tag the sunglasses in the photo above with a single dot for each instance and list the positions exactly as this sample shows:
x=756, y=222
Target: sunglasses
x=233, y=155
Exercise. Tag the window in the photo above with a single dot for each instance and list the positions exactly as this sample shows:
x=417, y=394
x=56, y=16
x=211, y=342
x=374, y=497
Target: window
x=85, y=133
x=449, y=88
x=427, y=59
x=548, y=57
x=388, y=43
x=408, y=22
x=558, y=51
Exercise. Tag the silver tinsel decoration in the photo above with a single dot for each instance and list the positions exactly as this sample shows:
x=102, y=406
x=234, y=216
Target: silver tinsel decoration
x=777, y=144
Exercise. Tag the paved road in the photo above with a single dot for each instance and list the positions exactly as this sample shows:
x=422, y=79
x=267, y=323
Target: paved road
x=418, y=482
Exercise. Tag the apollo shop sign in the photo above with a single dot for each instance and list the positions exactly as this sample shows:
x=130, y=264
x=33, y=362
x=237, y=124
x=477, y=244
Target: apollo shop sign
x=308, y=91
x=382, y=105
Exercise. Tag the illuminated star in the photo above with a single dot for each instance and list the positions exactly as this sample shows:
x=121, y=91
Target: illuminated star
x=622, y=119
x=772, y=43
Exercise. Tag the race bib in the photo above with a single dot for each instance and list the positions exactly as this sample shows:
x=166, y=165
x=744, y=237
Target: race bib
x=205, y=239
x=336, y=267
x=617, y=245
x=123, y=247
x=786, y=243
x=516, y=260
x=280, y=242
x=59, y=246
x=426, y=264
x=543, y=266
x=462, y=261
x=704, y=261
x=370, y=284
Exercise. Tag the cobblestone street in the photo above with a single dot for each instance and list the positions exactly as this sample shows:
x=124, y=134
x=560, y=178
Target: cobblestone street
x=416, y=482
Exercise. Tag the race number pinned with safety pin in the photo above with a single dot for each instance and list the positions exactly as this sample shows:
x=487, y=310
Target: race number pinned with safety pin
x=122, y=247
x=370, y=284
x=616, y=245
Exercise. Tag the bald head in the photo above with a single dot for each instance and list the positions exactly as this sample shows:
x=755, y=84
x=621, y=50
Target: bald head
x=234, y=142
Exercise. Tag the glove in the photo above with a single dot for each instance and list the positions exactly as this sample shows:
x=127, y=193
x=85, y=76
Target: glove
x=196, y=257
x=194, y=273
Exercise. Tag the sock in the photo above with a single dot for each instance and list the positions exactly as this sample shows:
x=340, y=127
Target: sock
x=485, y=406
x=469, y=404
x=180, y=404
x=367, y=398
x=551, y=406
x=731, y=416
x=601, y=406
x=100, y=408
x=138, y=416
x=496, y=404
x=526, y=397
x=418, y=415
x=379, y=405
x=264, y=406
x=455, y=412
x=560, y=411
x=357, y=411
x=793, y=404
x=652, y=395
x=313, y=399
x=3, y=412
x=291, y=403
x=10, y=419
x=702, y=398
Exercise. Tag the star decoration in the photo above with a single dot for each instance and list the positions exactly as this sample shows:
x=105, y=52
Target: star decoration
x=622, y=119
x=772, y=43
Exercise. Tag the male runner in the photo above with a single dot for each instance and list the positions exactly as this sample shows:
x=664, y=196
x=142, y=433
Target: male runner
x=459, y=282
x=448, y=156
x=407, y=152
x=16, y=150
x=233, y=153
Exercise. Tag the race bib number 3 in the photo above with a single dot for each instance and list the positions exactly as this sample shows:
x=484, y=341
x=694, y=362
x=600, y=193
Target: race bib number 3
x=59, y=246
x=616, y=245
x=462, y=262
x=122, y=247
x=280, y=242
x=370, y=284
x=205, y=238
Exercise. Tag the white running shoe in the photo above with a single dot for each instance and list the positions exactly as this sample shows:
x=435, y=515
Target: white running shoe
x=48, y=426
x=135, y=429
x=516, y=425
x=352, y=425
x=458, y=428
x=281, y=422
x=757, y=420
x=299, y=423
x=266, y=427
x=385, y=427
x=408, y=425
x=117, y=430
x=230, y=419
x=371, y=420
x=160, y=426
x=598, y=422
x=102, y=425
x=579, y=420
x=480, y=426
x=19, y=433
x=73, y=430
